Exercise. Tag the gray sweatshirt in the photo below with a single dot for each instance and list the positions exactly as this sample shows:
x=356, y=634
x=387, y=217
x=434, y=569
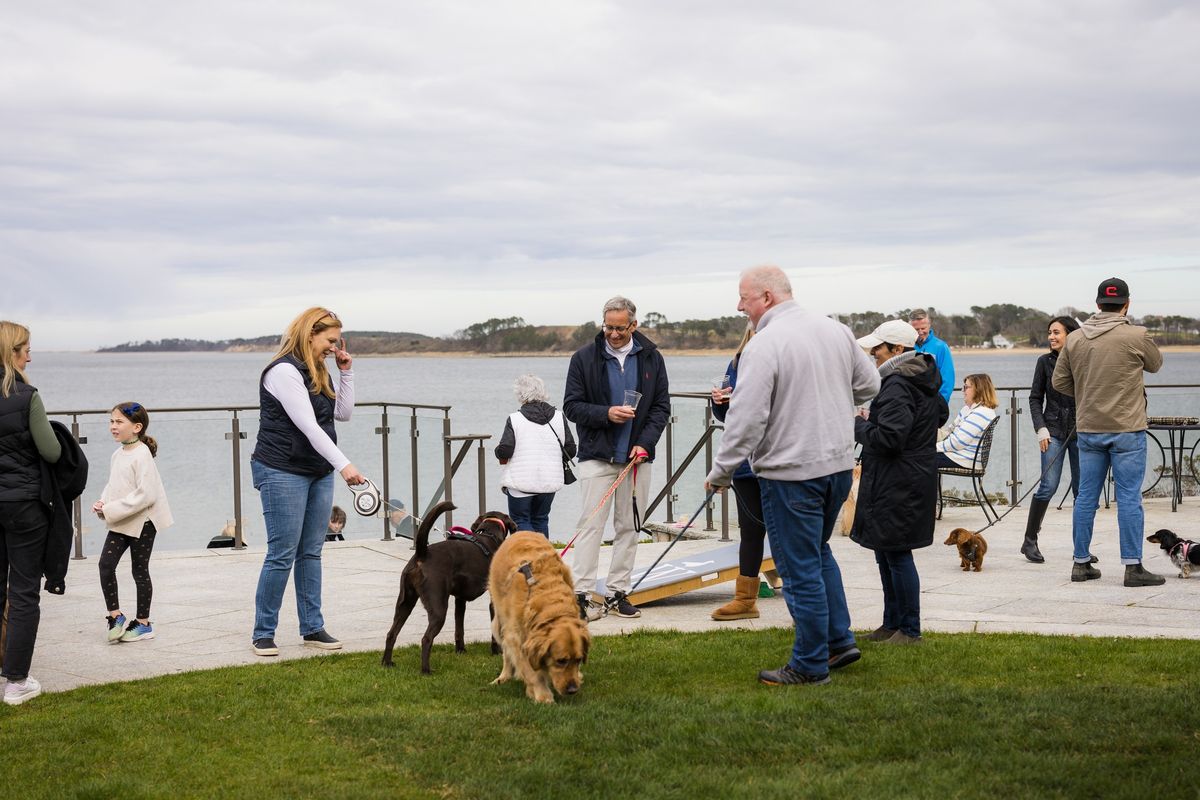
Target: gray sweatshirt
x=792, y=413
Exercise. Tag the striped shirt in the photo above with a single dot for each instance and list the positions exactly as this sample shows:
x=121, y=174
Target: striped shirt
x=963, y=438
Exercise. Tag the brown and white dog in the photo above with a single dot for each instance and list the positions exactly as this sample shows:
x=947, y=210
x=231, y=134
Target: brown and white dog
x=971, y=547
x=537, y=622
x=457, y=567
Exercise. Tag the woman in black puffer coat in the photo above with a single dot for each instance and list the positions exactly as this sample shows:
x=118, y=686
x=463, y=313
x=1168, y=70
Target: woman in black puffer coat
x=898, y=494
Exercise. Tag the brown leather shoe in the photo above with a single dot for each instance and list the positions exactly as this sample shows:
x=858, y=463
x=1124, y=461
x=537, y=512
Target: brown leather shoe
x=880, y=634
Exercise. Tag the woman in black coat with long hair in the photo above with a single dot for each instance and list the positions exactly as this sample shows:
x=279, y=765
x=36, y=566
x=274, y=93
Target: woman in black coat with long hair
x=1053, y=416
x=898, y=492
x=26, y=440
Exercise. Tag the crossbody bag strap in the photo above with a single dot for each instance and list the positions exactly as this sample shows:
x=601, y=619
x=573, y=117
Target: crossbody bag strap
x=561, y=447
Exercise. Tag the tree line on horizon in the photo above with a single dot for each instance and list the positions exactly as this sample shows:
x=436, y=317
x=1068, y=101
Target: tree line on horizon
x=1018, y=324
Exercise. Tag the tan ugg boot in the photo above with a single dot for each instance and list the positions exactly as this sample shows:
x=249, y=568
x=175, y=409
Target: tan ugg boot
x=743, y=604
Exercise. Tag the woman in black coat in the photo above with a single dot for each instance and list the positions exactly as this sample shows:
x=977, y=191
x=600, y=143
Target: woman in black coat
x=1053, y=416
x=898, y=492
x=26, y=440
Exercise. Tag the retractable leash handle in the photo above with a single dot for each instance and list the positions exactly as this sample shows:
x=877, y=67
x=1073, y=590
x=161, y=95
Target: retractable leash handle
x=366, y=498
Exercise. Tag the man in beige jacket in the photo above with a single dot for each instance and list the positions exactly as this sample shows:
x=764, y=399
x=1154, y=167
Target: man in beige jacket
x=1102, y=366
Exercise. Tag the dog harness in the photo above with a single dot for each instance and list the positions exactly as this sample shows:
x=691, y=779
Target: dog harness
x=1179, y=553
x=466, y=535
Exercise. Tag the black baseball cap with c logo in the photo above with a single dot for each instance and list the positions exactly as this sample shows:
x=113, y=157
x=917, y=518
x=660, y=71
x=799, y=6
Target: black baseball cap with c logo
x=1113, y=290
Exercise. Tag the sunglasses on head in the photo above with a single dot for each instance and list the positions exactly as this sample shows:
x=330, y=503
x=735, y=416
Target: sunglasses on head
x=327, y=315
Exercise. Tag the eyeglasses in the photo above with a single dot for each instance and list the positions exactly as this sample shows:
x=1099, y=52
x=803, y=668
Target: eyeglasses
x=618, y=328
x=130, y=409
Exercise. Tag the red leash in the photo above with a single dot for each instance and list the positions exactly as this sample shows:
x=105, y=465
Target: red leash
x=608, y=494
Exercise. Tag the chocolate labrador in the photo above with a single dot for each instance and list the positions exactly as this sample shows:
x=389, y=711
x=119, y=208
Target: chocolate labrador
x=456, y=567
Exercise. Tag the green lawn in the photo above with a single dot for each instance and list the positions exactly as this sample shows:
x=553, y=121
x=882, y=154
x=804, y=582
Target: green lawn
x=661, y=715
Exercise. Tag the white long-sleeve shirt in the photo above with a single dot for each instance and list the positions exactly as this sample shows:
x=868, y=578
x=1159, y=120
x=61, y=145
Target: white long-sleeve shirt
x=286, y=385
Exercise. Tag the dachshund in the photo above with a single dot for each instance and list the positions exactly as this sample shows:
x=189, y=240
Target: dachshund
x=1184, y=553
x=971, y=547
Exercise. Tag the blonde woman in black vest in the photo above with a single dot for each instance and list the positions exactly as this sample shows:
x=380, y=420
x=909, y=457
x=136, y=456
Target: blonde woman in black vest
x=293, y=464
x=26, y=439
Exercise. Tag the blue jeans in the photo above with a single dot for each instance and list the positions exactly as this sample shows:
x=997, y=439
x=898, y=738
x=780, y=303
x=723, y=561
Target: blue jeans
x=901, y=591
x=1126, y=454
x=1052, y=466
x=532, y=512
x=800, y=517
x=296, y=511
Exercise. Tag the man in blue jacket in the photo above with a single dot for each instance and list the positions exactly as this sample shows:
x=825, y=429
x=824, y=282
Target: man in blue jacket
x=611, y=434
x=928, y=342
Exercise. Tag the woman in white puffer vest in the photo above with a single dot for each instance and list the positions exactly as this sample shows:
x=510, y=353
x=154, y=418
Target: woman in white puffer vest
x=531, y=450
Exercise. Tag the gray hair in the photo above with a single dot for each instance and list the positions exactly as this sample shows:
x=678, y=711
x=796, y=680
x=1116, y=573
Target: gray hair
x=619, y=303
x=917, y=314
x=530, y=389
x=771, y=279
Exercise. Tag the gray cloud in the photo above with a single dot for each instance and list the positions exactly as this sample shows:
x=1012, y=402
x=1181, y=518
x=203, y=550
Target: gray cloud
x=419, y=163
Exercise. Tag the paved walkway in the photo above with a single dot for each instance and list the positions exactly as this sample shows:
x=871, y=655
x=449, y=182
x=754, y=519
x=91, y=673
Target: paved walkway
x=203, y=604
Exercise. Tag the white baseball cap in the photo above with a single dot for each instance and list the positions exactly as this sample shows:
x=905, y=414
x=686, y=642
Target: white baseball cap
x=894, y=331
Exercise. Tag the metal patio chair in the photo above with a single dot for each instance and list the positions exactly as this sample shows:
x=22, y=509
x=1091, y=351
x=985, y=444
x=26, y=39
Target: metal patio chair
x=975, y=472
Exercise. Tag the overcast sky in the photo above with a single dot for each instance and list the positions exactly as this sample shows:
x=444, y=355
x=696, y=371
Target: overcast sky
x=209, y=169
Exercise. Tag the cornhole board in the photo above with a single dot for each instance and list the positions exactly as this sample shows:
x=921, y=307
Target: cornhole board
x=689, y=572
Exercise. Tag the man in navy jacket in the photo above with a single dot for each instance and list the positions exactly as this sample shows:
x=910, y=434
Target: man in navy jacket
x=612, y=433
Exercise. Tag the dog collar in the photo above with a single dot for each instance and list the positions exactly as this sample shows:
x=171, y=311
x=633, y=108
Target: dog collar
x=503, y=525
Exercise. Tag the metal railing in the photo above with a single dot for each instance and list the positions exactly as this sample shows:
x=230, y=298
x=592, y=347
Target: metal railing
x=668, y=497
x=451, y=461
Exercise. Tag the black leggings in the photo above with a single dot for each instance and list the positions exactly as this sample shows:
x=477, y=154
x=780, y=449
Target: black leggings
x=750, y=521
x=139, y=552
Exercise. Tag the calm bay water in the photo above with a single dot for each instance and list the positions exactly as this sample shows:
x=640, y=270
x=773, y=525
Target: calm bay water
x=196, y=460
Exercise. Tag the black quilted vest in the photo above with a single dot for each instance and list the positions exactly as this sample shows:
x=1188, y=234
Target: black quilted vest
x=20, y=467
x=280, y=443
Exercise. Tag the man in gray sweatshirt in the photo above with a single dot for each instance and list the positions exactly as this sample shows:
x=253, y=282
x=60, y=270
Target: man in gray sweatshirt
x=792, y=415
x=1102, y=367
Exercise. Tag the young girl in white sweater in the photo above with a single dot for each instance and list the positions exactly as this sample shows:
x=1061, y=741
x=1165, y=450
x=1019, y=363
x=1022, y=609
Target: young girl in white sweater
x=134, y=506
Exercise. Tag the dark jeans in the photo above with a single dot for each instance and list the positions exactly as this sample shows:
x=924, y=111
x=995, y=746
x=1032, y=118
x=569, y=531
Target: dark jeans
x=24, y=527
x=532, y=513
x=750, y=523
x=901, y=591
x=942, y=460
x=800, y=517
x=139, y=549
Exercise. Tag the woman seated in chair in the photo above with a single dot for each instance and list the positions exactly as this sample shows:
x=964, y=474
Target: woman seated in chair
x=962, y=439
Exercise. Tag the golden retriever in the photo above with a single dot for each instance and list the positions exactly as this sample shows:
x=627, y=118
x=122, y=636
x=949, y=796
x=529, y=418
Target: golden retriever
x=971, y=547
x=850, y=507
x=537, y=622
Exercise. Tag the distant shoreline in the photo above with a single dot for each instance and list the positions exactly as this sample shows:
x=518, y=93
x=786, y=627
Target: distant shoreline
x=672, y=352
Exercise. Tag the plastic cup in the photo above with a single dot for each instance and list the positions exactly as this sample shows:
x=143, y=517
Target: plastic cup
x=632, y=398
